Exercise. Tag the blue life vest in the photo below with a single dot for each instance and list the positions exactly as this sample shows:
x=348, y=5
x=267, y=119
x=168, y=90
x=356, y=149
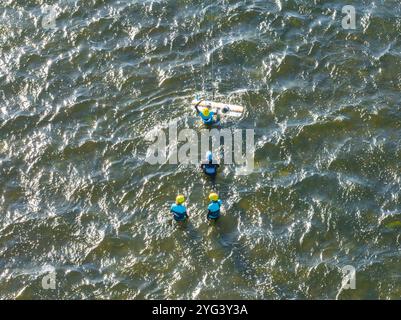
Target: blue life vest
x=208, y=119
x=210, y=169
x=214, y=209
x=179, y=212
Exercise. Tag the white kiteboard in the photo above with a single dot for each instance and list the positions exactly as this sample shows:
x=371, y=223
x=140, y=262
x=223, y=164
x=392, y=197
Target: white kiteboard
x=224, y=109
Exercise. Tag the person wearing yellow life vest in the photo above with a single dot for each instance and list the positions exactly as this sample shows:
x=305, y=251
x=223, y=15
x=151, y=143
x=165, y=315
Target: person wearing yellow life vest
x=179, y=210
x=213, y=209
x=207, y=115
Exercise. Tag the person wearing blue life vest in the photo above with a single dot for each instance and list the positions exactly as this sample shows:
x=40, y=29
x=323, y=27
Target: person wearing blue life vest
x=207, y=115
x=213, y=209
x=178, y=209
x=209, y=168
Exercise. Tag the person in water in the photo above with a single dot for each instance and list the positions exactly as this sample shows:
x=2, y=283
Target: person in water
x=178, y=209
x=207, y=115
x=209, y=168
x=213, y=209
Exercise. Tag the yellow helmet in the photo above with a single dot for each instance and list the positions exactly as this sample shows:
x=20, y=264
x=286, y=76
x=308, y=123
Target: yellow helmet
x=206, y=112
x=180, y=199
x=213, y=197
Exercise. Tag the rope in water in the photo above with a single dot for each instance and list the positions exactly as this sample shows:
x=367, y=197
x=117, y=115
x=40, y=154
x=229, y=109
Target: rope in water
x=207, y=48
x=213, y=87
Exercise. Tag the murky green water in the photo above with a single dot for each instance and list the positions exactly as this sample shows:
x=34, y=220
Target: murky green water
x=78, y=198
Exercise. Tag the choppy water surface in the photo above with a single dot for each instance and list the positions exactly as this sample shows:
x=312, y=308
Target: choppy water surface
x=78, y=198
